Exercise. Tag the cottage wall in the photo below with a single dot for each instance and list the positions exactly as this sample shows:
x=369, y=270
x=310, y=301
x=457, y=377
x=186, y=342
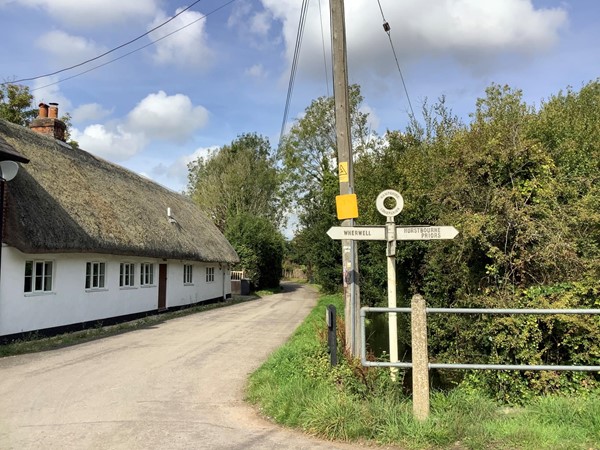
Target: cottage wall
x=69, y=302
x=200, y=290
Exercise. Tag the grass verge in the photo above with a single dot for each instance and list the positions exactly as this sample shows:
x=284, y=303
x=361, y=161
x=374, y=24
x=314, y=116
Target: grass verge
x=297, y=387
x=268, y=291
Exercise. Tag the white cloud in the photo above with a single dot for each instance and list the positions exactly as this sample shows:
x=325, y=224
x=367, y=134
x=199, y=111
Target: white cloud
x=254, y=27
x=162, y=116
x=112, y=143
x=472, y=32
x=65, y=49
x=186, y=48
x=90, y=112
x=95, y=13
x=238, y=14
x=260, y=23
x=373, y=121
x=201, y=152
x=157, y=116
x=45, y=90
x=176, y=172
x=256, y=71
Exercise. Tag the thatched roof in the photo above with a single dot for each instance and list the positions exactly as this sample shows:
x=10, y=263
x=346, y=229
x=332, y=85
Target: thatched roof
x=8, y=153
x=67, y=200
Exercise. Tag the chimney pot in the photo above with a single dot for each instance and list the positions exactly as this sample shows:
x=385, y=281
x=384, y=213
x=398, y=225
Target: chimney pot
x=48, y=123
x=43, y=112
x=53, y=111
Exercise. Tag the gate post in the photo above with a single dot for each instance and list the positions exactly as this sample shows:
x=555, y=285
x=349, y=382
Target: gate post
x=420, y=358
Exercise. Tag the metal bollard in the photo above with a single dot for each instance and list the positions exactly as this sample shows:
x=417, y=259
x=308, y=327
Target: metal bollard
x=330, y=318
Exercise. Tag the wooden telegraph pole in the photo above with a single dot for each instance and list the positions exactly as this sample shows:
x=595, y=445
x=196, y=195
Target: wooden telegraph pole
x=346, y=173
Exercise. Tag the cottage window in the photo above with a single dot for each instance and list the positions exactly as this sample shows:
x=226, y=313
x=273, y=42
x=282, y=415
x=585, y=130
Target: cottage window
x=38, y=276
x=210, y=274
x=187, y=273
x=95, y=275
x=146, y=274
x=126, y=275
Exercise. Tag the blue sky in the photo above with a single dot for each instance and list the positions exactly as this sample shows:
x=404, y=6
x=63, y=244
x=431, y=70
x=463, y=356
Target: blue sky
x=159, y=108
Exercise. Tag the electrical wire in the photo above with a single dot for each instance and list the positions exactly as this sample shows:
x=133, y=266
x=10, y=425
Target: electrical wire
x=387, y=28
x=136, y=50
x=294, y=69
x=107, y=52
x=324, y=52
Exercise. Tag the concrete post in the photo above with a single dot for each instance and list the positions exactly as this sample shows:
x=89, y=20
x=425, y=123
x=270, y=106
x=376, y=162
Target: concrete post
x=392, y=317
x=420, y=358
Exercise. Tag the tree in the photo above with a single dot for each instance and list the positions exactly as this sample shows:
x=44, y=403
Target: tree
x=309, y=155
x=67, y=121
x=236, y=179
x=260, y=247
x=309, y=150
x=321, y=255
x=568, y=126
x=16, y=107
x=239, y=187
x=16, y=104
x=521, y=187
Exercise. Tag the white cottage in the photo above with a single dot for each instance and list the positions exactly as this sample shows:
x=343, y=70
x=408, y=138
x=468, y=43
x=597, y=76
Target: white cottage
x=86, y=240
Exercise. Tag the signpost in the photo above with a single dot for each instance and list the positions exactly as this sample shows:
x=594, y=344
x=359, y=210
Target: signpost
x=418, y=233
x=392, y=233
x=403, y=233
x=357, y=233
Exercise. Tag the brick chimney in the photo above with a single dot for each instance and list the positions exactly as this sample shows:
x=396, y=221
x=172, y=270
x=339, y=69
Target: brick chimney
x=48, y=123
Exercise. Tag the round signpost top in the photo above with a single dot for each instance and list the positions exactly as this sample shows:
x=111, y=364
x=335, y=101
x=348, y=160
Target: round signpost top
x=389, y=212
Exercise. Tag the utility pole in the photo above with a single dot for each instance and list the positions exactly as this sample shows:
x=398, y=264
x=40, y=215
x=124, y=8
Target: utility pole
x=346, y=172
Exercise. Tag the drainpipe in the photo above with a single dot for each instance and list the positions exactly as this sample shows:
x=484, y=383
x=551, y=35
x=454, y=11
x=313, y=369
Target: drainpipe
x=223, y=269
x=1, y=224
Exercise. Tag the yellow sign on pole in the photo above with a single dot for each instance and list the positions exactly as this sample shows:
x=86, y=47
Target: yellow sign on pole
x=346, y=206
x=343, y=172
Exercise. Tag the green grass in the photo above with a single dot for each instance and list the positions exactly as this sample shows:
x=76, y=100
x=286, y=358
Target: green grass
x=268, y=291
x=33, y=342
x=297, y=387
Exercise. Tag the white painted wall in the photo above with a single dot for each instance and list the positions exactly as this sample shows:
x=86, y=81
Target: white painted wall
x=70, y=303
x=179, y=294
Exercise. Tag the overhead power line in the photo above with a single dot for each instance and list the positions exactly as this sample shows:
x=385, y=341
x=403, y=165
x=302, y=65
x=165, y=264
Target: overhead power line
x=387, y=28
x=324, y=52
x=135, y=50
x=294, y=69
x=111, y=50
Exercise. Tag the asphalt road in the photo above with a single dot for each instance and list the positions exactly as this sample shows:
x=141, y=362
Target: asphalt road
x=176, y=385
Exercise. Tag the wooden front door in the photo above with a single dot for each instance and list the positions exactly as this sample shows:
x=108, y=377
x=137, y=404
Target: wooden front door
x=162, y=286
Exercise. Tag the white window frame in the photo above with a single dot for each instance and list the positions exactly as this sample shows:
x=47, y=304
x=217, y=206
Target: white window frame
x=188, y=270
x=147, y=274
x=127, y=275
x=210, y=274
x=39, y=282
x=95, y=275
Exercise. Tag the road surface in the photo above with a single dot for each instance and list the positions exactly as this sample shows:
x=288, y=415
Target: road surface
x=175, y=385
